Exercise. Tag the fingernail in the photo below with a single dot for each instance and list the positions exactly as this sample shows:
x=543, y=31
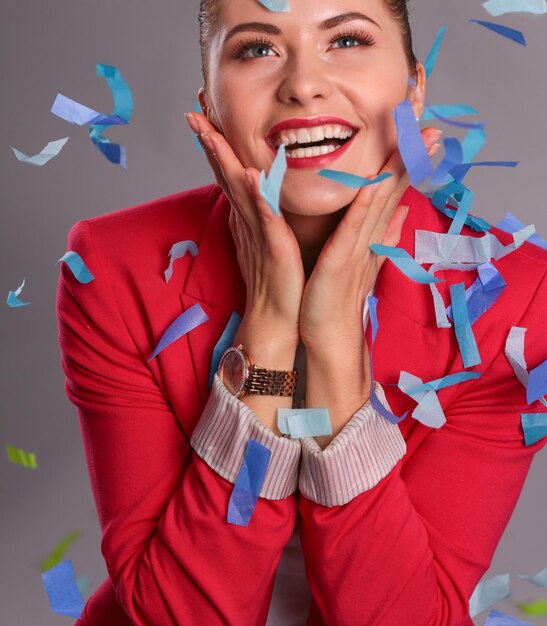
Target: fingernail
x=207, y=140
x=434, y=149
x=192, y=122
x=434, y=137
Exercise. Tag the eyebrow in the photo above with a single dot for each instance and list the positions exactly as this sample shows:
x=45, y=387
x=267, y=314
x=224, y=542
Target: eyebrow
x=328, y=24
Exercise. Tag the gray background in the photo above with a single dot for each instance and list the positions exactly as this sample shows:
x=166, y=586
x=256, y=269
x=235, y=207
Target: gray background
x=49, y=47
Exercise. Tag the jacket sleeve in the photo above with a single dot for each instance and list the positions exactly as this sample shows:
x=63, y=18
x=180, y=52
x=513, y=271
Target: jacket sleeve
x=170, y=553
x=410, y=550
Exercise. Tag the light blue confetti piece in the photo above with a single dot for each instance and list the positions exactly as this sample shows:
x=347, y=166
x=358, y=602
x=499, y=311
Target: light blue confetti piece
x=63, y=593
x=459, y=172
x=534, y=426
x=504, y=31
x=270, y=187
x=441, y=316
x=429, y=410
x=500, y=7
x=374, y=400
x=498, y=250
x=76, y=113
x=404, y=262
x=453, y=155
x=488, y=593
x=511, y=224
x=226, y=340
x=300, y=423
x=178, y=250
x=278, y=6
x=451, y=122
x=462, y=326
x=431, y=58
x=432, y=247
x=13, y=300
x=473, y=143
x=537, y=383
x=483, y=293
x=462, y=213
x=411, y=144
x=539, y=579
x=248, y=483
x=447, y=110
x=47, y=153
x=497, y=618
x=514, y=351
x=184, y=323
x=77, y=267
x=351, y=180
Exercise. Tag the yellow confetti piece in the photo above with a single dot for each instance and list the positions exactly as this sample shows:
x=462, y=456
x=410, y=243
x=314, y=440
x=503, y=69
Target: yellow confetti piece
x=58, y=552
x=20, y=457
x=534, y=609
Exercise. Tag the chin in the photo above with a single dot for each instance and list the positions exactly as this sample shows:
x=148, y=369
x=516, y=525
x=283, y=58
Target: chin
x=322, y=199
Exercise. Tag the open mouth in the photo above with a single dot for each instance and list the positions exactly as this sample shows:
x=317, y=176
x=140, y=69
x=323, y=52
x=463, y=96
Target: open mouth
x=301, y=143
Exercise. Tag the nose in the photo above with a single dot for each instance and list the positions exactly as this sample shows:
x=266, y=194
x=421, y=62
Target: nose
x=306, y=78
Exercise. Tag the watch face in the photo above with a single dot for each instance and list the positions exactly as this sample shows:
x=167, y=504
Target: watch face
x=233, y=372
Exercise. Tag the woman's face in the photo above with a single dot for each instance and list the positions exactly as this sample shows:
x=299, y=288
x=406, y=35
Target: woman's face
x=273, y=75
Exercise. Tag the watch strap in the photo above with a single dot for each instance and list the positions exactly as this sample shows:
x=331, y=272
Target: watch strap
x=266, y=382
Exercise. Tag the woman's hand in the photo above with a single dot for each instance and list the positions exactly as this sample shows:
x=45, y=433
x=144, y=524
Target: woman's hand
x=267, y=250
x=346, y=270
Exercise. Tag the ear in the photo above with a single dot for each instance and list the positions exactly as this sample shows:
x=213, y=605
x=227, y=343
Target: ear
x=207, y=110
x=417, y=92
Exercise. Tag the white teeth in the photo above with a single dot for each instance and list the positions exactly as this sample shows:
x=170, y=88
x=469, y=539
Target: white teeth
x=329, y=132
x=300, y=153
x=337, y=131
x=303, y=136
x=313, y=135
x=292, y=136
x=317, y=134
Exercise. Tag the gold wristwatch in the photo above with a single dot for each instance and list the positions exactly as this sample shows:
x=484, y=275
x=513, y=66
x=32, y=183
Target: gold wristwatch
x=241, y=376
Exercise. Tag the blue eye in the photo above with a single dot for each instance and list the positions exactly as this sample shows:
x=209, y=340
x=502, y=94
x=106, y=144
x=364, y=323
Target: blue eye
x=348, y=42
x=253, y=50
x=260, y=49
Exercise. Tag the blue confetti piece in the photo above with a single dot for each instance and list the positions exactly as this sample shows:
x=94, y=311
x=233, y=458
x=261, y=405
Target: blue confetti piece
x=442, y=111
x=248, y=483
x=500, y=7
x=511, y=224
x=447, y=120
x=278, y=6
x=497, y=618
x=114, y=152
x=537, y=383
x=459, y=172
x=453, y=155
x=462, y=213
x=63, y=593
x=404, y=262
x=13, y=300
x=411, y=144
x=270, y=187
x=300, y=423
x=77, y=267
x=462, y=326
x=534, y=426
x=374, y=400
x=447, y=381
x=504, y=31
x=47, y=153
x=178, y=250
x=79, y=114
x=431, y=59
x=184, y=323
x=351, y=180
x=455, y=192
x=226, y=340
x=473, y=143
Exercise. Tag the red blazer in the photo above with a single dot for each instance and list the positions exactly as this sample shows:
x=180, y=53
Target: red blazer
x=410, y=551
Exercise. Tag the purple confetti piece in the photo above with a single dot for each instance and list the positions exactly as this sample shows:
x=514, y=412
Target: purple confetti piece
x=497, y=618
x=187, y=321
x=411, y=144
x=63, y=593
x=537, y=383
x=459, y=172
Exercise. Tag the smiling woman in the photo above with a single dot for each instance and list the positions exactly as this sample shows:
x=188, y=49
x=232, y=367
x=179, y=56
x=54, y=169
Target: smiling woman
x=375, y=521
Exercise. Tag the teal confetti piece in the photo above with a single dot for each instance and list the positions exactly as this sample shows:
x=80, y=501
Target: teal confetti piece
x=473, y=143
x=431, y=59
x=77, y=267
x=435, y=111
x=47, y=153
x=462, y=326
x=351, y=180
x=497, y=618
x=226, y=340
x=13, y=301
x=504, y=31
x=534, y=426
x=63, y=593
x=404, y=262
x=300, y=423
x=539, y=579
x=459, y=172
x=447, y=381
x=248, y=483
x=278, y=6
x=488, y=593
x=270, y=187
x=184, y=323
x=462, y=213
x=500, y=7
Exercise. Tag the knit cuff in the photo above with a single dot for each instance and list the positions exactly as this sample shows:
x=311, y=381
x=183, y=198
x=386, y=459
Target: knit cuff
x=363, y=452
x=220, y=439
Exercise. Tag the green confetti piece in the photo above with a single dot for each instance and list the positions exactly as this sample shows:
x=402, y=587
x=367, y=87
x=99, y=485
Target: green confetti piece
x=58, y=552
x=534, y=609
x=20, y=457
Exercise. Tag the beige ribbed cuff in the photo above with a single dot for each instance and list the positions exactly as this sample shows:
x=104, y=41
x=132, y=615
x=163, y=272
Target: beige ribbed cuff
x=220, y=439
x=362, y=453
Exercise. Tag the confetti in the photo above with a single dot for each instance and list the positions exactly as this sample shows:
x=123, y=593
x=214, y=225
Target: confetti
x=77, y=267
x=534, y=426
x=411, y=144
x=226, y=340
x=76, y=113
x=57, y=554
x=488, y=593
x=538, y=608
x=405, y=263
x=270, y=187
x=440, y=111
x=497, y=618
x=504, y=31
x=13, y=300
x=184, y=323
x=63, y=593
x=278, y=6
x=47, y=153
x=499, y=7
x=20, y=457
x=539, y=579
x=462, y=326
x=300, y=423
x=431, y=59
x=351, y=180
x=459, y=172
x=511, y=224
x=178, y=250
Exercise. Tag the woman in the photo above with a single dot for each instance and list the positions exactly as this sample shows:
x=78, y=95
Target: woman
x=397, y=523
